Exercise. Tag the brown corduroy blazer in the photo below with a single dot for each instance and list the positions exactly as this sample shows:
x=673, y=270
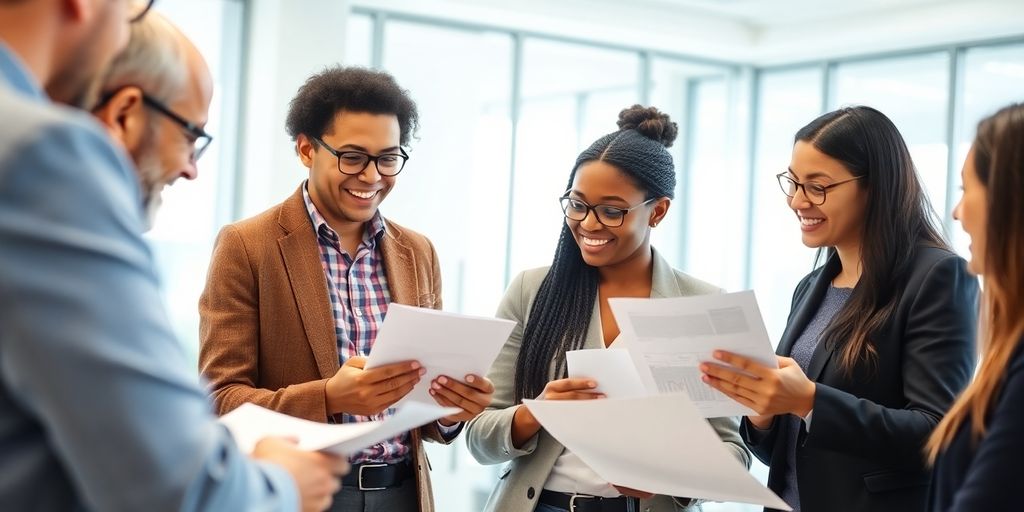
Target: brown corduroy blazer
x=266, y=325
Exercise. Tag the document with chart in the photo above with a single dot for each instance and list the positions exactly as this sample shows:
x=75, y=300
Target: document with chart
x=668, y=338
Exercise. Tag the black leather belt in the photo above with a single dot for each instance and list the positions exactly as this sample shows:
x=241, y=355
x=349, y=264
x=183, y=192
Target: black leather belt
x=585, y=503
x=370, y=476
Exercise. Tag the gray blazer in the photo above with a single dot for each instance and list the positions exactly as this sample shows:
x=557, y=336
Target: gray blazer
x=489, y=435
x=100, y=408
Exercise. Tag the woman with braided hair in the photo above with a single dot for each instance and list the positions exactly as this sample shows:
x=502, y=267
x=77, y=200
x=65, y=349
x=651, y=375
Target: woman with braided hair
x=620, y=188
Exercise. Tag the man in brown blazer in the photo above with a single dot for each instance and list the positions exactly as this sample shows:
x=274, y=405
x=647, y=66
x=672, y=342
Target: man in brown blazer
x=296, y=294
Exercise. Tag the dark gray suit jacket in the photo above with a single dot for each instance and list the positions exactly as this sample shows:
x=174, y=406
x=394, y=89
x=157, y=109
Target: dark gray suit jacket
x=985, y=474
x=864, y=450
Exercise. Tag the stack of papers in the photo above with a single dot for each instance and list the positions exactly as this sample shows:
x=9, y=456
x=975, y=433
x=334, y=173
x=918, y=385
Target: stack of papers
x=663, y=446
x=651, y=377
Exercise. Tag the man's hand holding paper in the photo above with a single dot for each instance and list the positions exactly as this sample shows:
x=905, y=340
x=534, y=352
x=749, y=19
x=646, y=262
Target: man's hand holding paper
x=455, y=352
x=367, y=392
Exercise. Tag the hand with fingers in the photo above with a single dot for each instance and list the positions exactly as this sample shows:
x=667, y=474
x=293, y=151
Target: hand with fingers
x=768, y=391
x=472, y=396
x=316, y=475
x=525, y=425
x=571, y=389
x=356, y=390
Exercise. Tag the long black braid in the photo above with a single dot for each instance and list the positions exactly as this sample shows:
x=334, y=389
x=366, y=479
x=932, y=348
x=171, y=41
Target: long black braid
x=561, y=312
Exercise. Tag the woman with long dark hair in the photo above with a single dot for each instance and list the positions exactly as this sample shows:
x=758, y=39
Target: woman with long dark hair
x=619, y=190
x=978, y=447
x=879, y=340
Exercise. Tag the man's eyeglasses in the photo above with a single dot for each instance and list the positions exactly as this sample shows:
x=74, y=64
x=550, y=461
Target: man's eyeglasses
x=610, y=216
x=355, y=162
x=814, y=192
x=197, y=136
x=137, y=10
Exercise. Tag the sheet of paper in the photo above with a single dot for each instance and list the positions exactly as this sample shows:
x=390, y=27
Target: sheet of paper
x=249, y=423
x=444, y=343
x=637, y=453
x=670, y=337
x=612, y=368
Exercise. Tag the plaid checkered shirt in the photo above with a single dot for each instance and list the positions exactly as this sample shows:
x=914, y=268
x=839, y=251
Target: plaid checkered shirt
x=359, y=295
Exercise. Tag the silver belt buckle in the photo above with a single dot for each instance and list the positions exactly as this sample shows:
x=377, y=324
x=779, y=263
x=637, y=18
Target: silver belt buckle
x=572, y=500
x=364, y=466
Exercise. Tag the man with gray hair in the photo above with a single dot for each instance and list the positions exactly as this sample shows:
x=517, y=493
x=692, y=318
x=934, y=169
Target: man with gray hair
x=154, y=100
x=99, y=409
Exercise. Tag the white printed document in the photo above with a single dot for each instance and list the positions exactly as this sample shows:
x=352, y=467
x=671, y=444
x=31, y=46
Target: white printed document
x=669, y=338
x=612, y=368
x=663, y=446
x=444, y=343
x=250, y=423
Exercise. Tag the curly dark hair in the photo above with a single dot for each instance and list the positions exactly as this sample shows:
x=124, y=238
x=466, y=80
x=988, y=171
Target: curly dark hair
x=354, y=89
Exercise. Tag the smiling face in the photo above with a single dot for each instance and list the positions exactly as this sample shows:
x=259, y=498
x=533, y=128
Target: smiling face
x=839, y=221
x=972, y=212
x=176, y=145
x=341, y=198
x=600, y=183
x=167, y=154
x=142, y=117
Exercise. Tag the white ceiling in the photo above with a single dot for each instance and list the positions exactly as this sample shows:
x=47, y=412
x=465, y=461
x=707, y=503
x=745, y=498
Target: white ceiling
x=762, y=14
x=762, y=32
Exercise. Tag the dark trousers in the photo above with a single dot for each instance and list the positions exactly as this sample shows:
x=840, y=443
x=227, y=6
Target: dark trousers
x=396, y=499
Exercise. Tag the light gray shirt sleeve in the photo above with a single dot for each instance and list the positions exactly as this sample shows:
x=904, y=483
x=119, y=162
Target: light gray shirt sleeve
x=86, y=351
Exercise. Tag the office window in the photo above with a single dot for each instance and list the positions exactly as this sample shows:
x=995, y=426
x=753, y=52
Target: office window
x=716, y=201
x=993, y=77
x=914, y=93
x=455, y=188
x=186, y=224
x=571, y=95
x=698, y=234
x=787, y=100
x=359, y=40
x=681, y=90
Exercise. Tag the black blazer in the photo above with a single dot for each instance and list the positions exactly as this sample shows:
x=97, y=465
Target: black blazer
x=986, y=475
x=864, y=450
